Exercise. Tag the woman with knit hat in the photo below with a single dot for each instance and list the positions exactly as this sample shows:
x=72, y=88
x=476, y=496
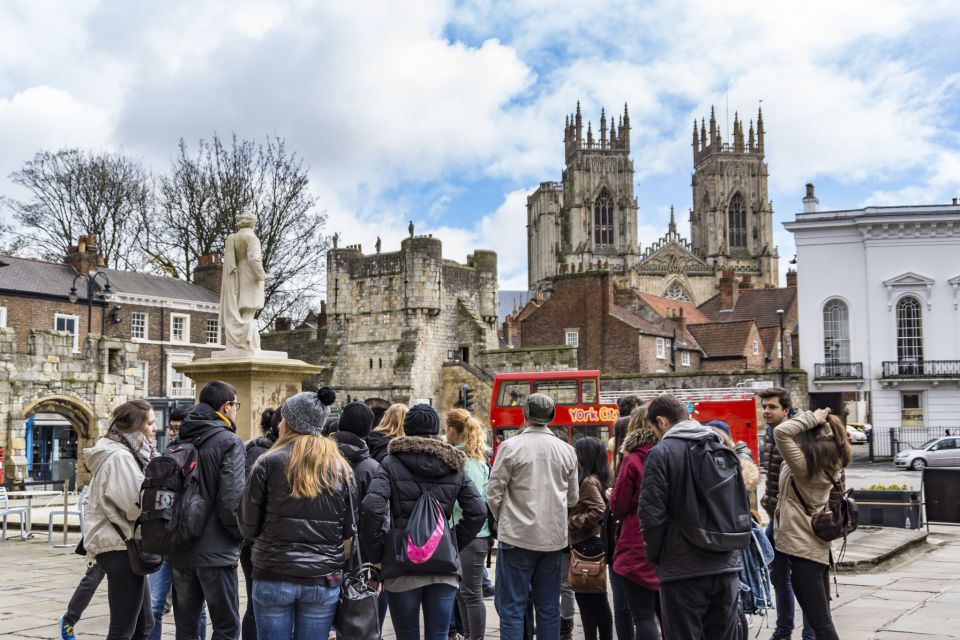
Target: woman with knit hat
x=419, y=462
x=296, y=508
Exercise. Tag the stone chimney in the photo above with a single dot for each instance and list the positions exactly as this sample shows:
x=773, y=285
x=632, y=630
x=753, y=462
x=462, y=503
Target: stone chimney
x=83, y=256
x=728, y=290
x=746, y=282
x=209, y=272
x=791, y=278
x=810, y=201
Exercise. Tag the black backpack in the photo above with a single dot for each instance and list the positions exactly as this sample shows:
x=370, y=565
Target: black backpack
x=425, y=545
x=173, y=510
x=721, y=521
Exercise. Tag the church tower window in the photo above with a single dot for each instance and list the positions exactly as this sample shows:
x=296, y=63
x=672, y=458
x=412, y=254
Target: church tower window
x=603, y=220
x=737, y=222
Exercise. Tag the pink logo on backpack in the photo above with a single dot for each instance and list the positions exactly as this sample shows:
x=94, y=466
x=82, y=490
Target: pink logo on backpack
x=419, y=554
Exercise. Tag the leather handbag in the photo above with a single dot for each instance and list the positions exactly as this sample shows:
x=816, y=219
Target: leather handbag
x=587, y=574
x=838, y=518
x=357, y=614
x=141, y=562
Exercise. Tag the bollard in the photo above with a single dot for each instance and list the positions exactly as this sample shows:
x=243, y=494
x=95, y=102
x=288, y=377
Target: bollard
x=66, y=519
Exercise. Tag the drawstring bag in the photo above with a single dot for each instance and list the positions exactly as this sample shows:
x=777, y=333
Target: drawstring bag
x=357, y=614
x=425, y=545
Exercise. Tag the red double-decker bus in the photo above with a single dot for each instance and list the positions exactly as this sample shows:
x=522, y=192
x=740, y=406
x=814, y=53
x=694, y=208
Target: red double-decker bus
x=576, y=395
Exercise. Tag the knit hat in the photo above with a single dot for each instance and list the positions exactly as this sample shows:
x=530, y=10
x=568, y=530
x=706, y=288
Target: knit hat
x=357, y=418
x=719, y=424
x=308, y=411
x=421, y=420
x=539, y=409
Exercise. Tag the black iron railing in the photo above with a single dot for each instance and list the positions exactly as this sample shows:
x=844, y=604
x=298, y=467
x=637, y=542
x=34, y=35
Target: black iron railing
x=838, y=371
x=921, y=369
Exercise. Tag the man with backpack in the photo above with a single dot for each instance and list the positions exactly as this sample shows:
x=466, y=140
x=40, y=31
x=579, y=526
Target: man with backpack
x=532, y=484
x=695, y=519
x=205, y=568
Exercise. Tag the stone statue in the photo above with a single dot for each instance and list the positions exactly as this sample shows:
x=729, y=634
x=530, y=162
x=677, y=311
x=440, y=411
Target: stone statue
x=336, y=238
x=378, y=245
x=410, y=228
x=241, y=294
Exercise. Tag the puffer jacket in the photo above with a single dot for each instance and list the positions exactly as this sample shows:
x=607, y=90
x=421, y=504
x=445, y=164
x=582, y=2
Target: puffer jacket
x=630, y=557
x=114, y=497
x=295, y=539
x=354, y=449
x=772, y=461
x=665, y=498
x=221, y=460
x=377, y=442
x=254, y=449
x=412, y=465
x=792, y=530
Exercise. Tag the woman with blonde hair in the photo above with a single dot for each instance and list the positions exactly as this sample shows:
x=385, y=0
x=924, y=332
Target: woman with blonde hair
x=390, y=427
x=467, y=434
x=815, y=449
x=296, y=509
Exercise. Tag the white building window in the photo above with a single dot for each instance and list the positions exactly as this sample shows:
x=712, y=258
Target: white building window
x=909, y=331
x=836, y=332
x=179, y=386
x=143, y=368
x=685, y=358
x=661, y=348
x=179, y=327
x=138, y=325
x=756, y=347
x=572, y=337
x=3, y=316
x=911, y=408
x=213, y=331
x=70, y=324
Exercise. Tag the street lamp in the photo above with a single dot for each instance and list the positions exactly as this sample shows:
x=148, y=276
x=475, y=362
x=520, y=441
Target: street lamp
x=91, y=281
x=782, y=350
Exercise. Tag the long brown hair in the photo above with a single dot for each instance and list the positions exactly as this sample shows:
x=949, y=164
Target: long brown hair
x=469, y=431
x=130, y=416
x=315, y=464
x=392, y=422
x=825, y=451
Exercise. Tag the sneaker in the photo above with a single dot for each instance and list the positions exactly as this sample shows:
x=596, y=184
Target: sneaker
x=66, y=630
x=488, y=592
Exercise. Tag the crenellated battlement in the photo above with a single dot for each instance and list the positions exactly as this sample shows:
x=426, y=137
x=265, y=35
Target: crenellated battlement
x=616, y=139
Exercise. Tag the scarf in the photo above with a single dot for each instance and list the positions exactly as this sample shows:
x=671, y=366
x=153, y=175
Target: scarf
x=142, y=449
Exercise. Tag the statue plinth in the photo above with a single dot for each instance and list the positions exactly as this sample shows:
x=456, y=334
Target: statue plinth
x=263, y=380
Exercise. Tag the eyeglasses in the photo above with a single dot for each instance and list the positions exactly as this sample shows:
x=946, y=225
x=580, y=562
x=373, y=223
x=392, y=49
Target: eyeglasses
x=235, y=404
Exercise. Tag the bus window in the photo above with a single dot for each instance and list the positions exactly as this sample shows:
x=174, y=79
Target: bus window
x=562, y=391
x=561, y=432
x=598, y=431
x=588, y=388
x=513, y=393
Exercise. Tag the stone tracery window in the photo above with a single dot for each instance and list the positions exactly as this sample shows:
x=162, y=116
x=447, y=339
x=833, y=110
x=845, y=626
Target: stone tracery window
x=603, y=219
x=676, y=292
x=737, y=221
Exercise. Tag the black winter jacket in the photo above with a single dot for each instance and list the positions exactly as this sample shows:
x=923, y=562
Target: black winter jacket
x=300, y=539
x=256, y=448
x=221, y=458
x=354, y=449
x=378, y=442
x=664, y=497
x=414, y=463
x=772, y=460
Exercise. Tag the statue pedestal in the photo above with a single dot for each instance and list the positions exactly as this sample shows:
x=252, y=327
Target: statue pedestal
x=262, y=382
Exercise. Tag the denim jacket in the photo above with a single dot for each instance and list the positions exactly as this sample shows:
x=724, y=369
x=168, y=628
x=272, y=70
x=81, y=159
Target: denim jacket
x=755, y=577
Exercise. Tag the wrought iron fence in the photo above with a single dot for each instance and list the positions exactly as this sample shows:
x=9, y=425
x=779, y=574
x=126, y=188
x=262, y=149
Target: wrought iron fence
x=921, y=369
x=887, y=442
x=838, y=371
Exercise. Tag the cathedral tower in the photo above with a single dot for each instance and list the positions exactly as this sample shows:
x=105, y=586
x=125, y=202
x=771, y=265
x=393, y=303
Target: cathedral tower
x=731, y=223
x=589, y=220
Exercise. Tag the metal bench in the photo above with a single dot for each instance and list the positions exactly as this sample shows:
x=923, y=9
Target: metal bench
x=6, y=511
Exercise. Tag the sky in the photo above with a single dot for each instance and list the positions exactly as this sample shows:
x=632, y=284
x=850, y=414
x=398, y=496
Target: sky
x=450, y=113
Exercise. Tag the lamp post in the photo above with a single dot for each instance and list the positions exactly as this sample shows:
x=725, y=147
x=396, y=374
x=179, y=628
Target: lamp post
x=782, y=350
x=91, y=279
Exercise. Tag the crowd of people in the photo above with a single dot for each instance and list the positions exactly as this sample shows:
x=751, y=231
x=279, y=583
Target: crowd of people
x=663, y=517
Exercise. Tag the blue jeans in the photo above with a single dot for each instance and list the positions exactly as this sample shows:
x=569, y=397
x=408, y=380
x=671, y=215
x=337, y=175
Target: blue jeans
x=521, y=575
x=159, y=588
x=783, y=594
x=622, y=620
x=437, y=603
x=290, y=610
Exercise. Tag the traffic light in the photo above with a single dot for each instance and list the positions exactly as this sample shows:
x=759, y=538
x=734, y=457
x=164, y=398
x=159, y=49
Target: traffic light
x=467, y=396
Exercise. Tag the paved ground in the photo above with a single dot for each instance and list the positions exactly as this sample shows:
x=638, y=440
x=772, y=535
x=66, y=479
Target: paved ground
x=916, y=596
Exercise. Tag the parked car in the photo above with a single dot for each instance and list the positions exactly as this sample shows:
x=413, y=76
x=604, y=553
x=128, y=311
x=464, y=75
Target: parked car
x=856, y=436
x=938, y=452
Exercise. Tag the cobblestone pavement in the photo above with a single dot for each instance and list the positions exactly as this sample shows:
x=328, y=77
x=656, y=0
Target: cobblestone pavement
x=916, y=596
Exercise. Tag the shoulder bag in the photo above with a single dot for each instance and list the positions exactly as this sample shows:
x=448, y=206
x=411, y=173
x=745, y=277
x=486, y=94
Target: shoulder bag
x=357, y=614
x=587, y=574
x=141, y=562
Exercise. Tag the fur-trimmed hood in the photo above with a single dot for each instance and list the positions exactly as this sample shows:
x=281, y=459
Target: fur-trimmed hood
x=750, y=473
x=427, y=456
x=638, y=438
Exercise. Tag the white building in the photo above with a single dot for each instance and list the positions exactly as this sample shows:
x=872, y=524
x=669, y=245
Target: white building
x=879, y=307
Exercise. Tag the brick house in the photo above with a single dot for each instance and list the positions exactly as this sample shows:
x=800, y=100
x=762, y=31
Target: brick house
x=170, y=320
x=730, y=345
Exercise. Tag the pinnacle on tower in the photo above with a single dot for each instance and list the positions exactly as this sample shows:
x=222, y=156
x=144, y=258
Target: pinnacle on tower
x=760, y=130
x=589, y=134
x=696, y=138
x=625, y=128
x=603, y=128
x=703, y=132
x=578, y=124
x=750, y=139
x=613, y=133
x=714, y=133
x=673, y=222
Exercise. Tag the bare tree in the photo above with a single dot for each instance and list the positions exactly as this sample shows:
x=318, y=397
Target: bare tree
x=74, y=192
x=199, y=202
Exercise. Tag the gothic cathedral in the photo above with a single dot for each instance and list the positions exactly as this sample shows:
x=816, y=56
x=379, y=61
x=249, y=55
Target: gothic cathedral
x=589, y=219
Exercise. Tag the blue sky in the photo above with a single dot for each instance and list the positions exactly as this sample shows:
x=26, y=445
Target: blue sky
x=449, y=113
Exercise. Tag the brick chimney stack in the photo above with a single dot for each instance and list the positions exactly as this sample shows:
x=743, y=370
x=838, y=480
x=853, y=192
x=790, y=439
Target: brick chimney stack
x=83, y=256
x=679, y=321
x=209, y=272
x=745, y=282
x=728, y=290
x=791, y=278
